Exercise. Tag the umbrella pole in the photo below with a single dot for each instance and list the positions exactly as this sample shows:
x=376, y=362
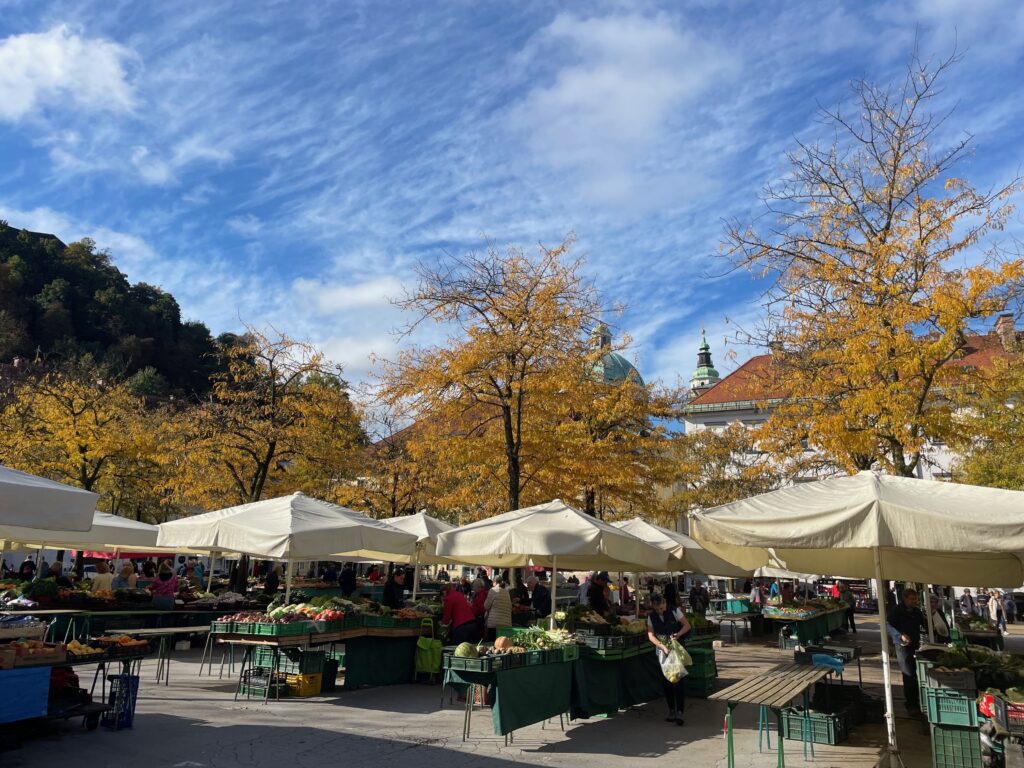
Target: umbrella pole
x=928, y=612
x=209, y=579
x=890, y=721
x=554, y=591
x=416, y=573
x=288, y=582
x=39, y=563
x=3, y=556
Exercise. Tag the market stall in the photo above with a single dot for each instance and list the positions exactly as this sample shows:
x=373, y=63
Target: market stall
x=28, y=500
x=870, y=524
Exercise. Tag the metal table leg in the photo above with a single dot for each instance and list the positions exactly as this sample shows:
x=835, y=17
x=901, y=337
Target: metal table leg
x=781, y=760
x=763, y=727
x=730, y=755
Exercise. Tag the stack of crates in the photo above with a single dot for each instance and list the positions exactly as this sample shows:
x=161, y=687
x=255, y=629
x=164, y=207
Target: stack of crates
x=824, y=727
x=290, y=661
x=950, y=701
x=700, y=679
x=262, y=683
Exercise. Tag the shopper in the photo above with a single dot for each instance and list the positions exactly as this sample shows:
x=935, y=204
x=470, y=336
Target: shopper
x=995, y=611
x=597, y=595
x=1009, y=609
x=624, y=593
x=540, y=597
x=847, y=597
x=347, y=580
x=967, y=603
x=497, y=608
x=699, y=599
x=27, y=569
x=103, y=580
x=671, y=594
x=458, y=615
x=584, y=589
x=330, y=573
x=981, y=603
x=373, y=575
x=272, y=582
x=663, y=626
x=126, y=579
x=164, y=587
x=520, y=595
x=394, y=590
x=906, y=622
x=479, y=601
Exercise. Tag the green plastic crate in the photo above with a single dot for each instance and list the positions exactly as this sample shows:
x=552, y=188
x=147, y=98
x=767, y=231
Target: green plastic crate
x=570, y=652
x=946, y=706
x=535, y=657
x=955, y=747
x=222, y=627
x=467, y=664
x=283, y=630
x=698, y=687
x=788, y=643
x=378, y=622
x=825, y=727
x=703, y=663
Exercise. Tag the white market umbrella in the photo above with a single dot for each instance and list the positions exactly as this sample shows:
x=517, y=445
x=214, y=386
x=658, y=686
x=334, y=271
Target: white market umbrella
x=108, y=533
x=295, y=527
x=426, y=529
x=685, y=554
x=874, y=525
x=27, y=500
x=552, y=535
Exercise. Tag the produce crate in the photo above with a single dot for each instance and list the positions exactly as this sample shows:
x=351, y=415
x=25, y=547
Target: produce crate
x=379, y=622
x=124, y=692
x=698, y=687
x=263, y=657
x=534, y=657
x=605, y=642
x=609, y=654
x=329, y=679
x=245, y=627
x=946, y=706
x=299, y=661
x=570, y=652
x=587, y=630
x=222, y=627
x=282, y=630
x=50, y=654
x=825, y=727
x=304, y=685
x=502, y=661
x=1009, y=716
x=703, y=664
x=788, y=643
x=634, y=641
x=468, y=664
x=954, y=747
x=957, y=681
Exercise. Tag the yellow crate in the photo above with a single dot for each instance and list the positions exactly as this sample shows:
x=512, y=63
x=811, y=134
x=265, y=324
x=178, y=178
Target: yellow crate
x=304, y=685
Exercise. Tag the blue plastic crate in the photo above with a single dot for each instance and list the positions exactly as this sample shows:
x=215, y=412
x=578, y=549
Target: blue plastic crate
x=124, y=692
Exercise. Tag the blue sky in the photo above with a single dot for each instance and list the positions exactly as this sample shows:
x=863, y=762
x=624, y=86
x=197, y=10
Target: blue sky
x=288, y=162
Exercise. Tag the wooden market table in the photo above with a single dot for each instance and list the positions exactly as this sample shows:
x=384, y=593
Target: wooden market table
x=773, y=689
x=165, y=635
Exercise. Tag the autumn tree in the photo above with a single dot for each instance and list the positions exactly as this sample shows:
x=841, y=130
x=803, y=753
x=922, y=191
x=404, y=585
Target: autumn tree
x=517, y=323
x=988, y=428
x=278, y=419
x=712, y=467
x=877, y=258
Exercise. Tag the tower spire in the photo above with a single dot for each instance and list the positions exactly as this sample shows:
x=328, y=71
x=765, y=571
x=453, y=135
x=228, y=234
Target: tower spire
x=705, y=376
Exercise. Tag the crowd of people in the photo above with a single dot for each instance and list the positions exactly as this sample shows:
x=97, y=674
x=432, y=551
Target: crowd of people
x=998, y=607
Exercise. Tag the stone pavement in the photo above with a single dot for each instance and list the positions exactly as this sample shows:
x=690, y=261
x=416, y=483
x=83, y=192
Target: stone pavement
x=193, y=723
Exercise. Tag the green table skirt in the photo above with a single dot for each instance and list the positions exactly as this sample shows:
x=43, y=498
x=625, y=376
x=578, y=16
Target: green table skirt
x=373, y=661
x=603, y=687
x=523, y=696
x=809, y=630
x=584, y=688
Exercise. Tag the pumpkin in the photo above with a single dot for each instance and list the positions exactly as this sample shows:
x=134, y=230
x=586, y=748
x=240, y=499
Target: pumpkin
x=503, y=643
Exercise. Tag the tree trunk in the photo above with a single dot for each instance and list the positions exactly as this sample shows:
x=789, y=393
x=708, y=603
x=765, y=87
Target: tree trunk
x=590, y=501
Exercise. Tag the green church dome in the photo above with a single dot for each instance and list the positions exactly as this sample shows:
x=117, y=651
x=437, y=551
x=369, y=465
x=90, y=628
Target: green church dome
x=612, y=367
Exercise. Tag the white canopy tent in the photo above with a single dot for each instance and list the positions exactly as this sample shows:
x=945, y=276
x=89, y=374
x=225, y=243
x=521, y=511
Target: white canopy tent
x=873, y=525
x=295, y=527
x=552, y=535
x=108, y=533
x=27, y=500
x=685, y=554
x=426, y=529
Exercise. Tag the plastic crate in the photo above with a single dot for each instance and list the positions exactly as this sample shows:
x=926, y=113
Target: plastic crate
x=299, y=661
x=698, y=687
x=825, y=727
x=378, y=622
x=245, y=627
x=588, y=630
x=124, y=692
x=469, y=664
x=304, y=685
x=948, y=707
x=222, y=627
x=605, y=642
x=1009, y=716
x=788, y=643
x=954, y=747
x=570, y=652
x=283, y=630
x=957, y=681
x=703, y=669
x=534, y=657
x=263, y=657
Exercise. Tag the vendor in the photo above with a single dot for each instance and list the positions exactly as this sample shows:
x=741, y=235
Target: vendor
x=164, y=587
x=57, y=574
x=394, y=590
x=540, y=597
x=103, y=581
x=273, y=581
x=597, y=595
x=458, y=614
x=347, y=580
x=906, y=622
x=373, y=575
x=663, y=626
x=700, y=599
x=330, y=573
x=126, y=579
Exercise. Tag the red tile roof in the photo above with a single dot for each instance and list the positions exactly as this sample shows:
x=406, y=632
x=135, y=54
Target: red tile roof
x=752, y=380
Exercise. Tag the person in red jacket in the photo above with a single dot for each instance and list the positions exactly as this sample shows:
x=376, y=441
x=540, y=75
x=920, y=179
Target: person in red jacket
x=458, y=614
